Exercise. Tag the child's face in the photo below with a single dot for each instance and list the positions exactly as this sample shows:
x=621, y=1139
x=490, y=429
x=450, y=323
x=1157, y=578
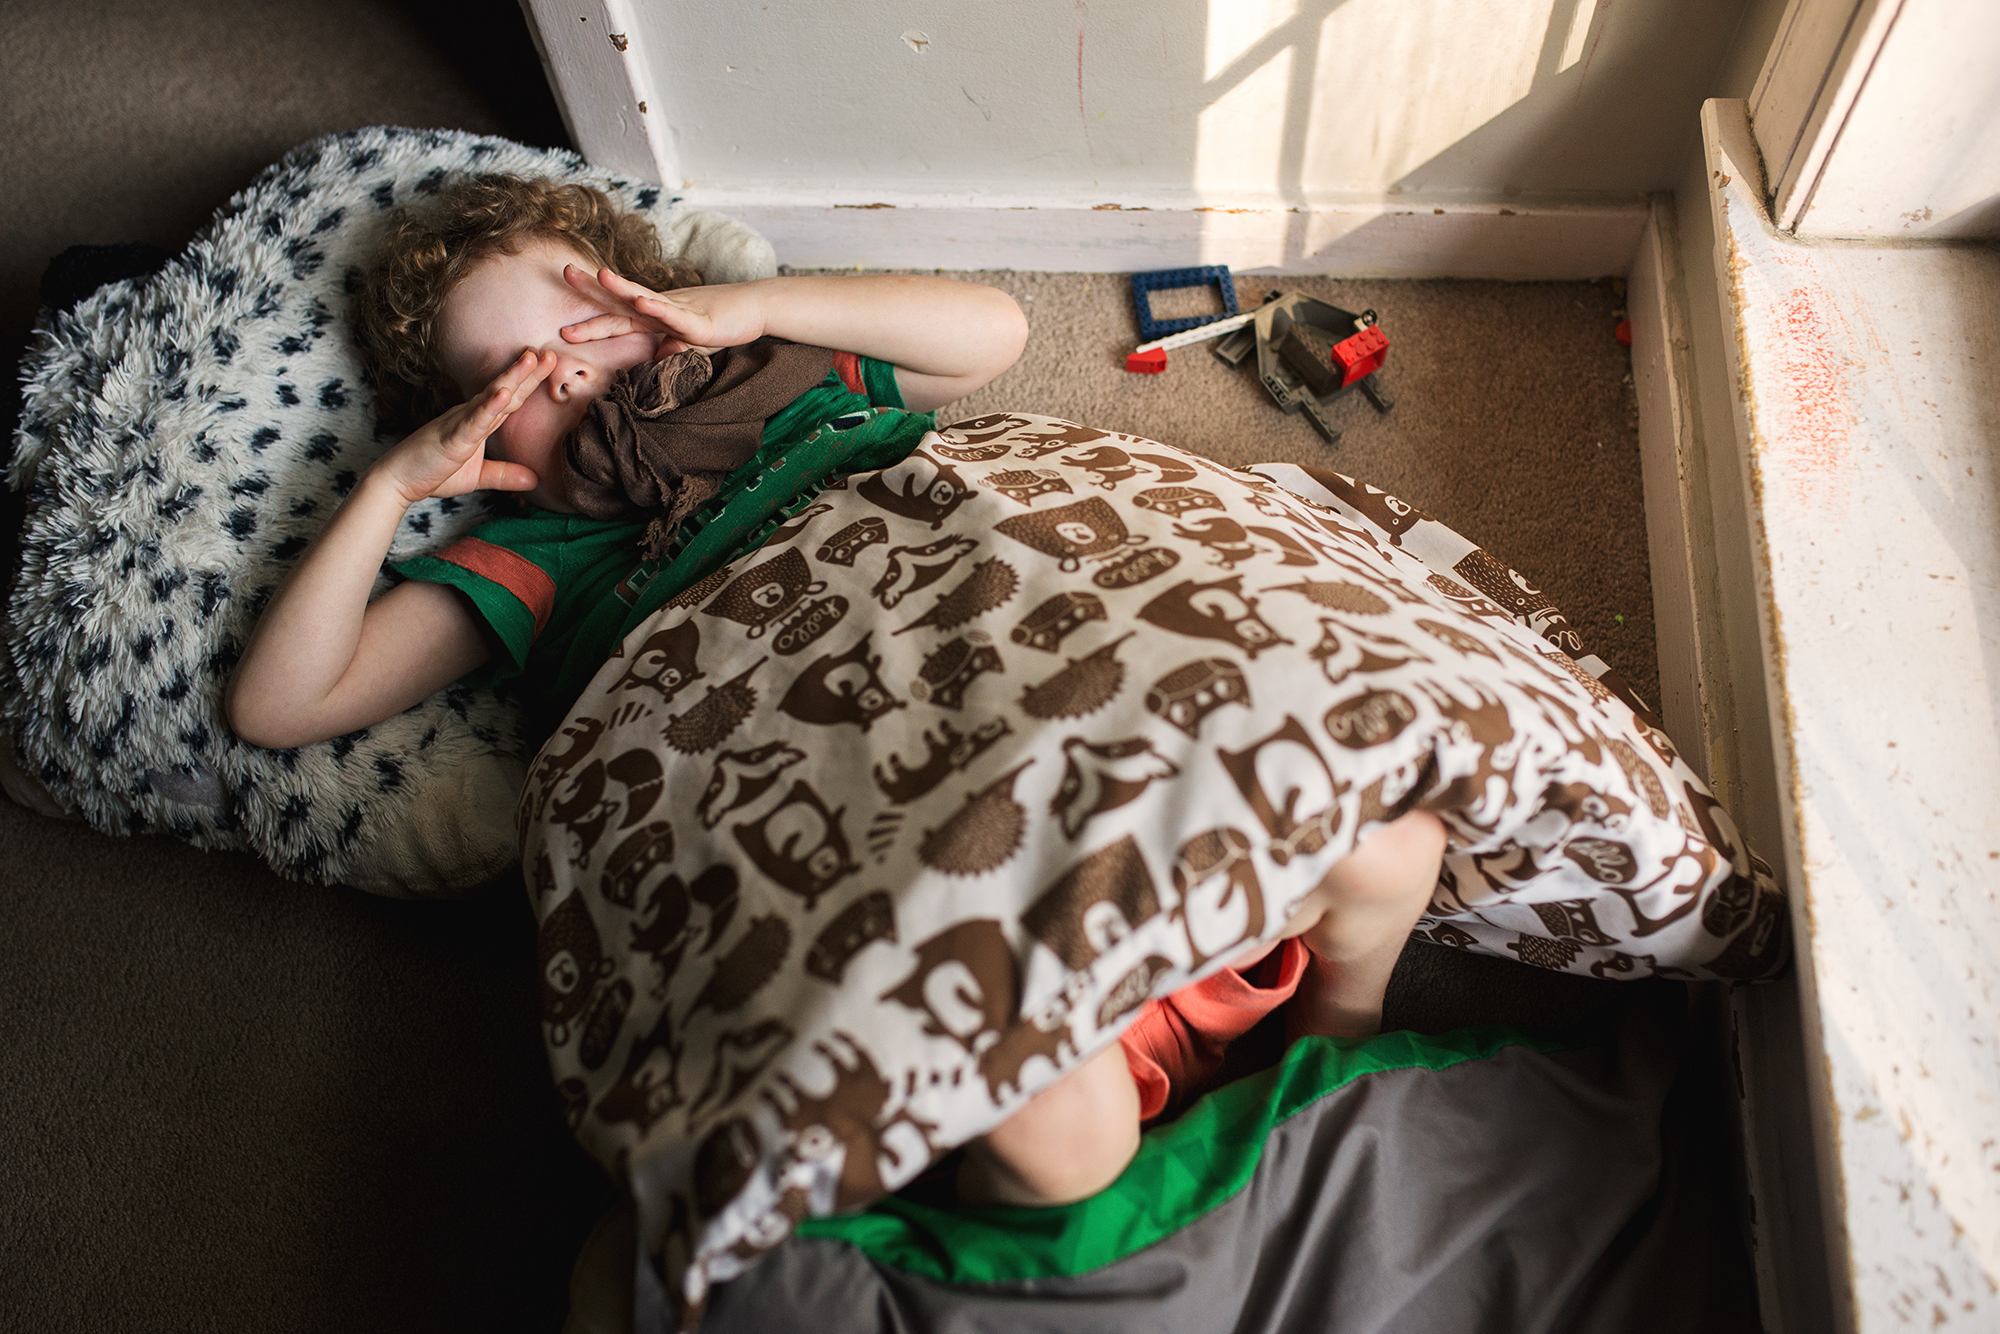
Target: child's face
x=511, y=302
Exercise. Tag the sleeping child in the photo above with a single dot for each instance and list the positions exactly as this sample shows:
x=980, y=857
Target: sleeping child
x=650, y=426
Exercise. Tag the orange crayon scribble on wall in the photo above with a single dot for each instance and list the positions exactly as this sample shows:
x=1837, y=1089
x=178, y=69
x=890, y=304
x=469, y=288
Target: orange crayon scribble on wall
x=1814, y=407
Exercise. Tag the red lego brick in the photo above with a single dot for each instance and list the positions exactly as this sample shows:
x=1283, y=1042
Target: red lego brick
x=1147, y=363
x=1361, y=354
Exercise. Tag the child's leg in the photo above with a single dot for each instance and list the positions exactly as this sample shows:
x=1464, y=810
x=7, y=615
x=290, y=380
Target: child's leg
x=1071, y=1140
x=1356, y=921
x=1075, y=1137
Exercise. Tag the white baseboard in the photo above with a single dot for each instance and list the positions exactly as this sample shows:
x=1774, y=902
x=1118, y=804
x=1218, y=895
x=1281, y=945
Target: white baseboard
x=1353, y=240
x=1671, y=463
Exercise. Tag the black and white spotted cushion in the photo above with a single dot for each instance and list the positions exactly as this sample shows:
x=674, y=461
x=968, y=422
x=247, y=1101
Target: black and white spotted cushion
x=183, y=436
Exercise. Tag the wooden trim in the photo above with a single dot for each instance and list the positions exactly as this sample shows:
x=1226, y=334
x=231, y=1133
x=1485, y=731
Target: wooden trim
x=596, y=63
x=1705, y=549
x=1780, y=1041
x=1672, y=474
x=1867, y=449
x=1757, y=1026
x=1378, y=240
x=1794, y=75
x=1810, y=82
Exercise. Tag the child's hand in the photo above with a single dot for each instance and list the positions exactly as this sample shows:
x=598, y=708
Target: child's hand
x=704, y=318
x=945, y=338
x=446, y=456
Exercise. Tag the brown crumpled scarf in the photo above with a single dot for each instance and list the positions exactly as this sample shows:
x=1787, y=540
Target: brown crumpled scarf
x=665, y=434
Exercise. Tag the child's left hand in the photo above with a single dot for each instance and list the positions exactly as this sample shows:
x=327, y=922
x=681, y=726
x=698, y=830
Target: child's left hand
x=702, y=318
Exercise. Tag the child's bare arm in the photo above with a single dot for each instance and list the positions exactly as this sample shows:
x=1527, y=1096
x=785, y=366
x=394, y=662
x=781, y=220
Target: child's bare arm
x=323, y=660
x=945, y=338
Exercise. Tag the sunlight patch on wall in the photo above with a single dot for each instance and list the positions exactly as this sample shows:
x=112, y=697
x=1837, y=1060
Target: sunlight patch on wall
x=1579, y=28
x=1398, y=82
x=1234, y=26
x=1240, y=137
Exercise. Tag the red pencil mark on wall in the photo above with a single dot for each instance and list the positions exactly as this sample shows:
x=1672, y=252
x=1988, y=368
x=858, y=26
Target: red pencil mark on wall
x=1082, y=18
x=1584, y=74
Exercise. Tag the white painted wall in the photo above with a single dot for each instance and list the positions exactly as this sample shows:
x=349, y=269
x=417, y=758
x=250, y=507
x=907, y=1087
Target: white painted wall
x=1181, y=103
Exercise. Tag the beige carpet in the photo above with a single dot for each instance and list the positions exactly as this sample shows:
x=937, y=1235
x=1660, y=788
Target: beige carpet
x=1514, y=420
x=232, y=1103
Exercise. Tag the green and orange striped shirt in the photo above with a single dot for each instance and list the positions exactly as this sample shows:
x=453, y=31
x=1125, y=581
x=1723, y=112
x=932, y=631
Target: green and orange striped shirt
x=560, y=591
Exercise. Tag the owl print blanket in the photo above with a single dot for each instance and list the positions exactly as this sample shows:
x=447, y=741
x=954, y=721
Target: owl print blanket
x=871, y=835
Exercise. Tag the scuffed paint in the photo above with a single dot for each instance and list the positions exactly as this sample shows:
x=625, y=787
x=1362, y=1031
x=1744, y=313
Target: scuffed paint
x=1879, y=575
x=1823, y=1097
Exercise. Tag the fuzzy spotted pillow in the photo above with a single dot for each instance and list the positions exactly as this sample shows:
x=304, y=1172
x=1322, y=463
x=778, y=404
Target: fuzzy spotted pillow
x=867, y=838
x=183, y=437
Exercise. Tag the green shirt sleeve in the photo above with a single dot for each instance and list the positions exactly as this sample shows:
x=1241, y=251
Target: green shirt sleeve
x=507, y=599
x=537, y=580
x=879, y=378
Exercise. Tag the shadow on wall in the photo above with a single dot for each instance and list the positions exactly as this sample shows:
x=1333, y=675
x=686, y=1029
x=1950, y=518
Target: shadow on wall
x=1560, y=101
x=1278, y=107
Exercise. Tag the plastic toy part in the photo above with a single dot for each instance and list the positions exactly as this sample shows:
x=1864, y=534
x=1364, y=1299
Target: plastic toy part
x=1237, y=347
x=1362, y=354
x=1200, y=333
x=1151, y=362
x=1295, y=336
x=1310, y=354
x=1167, y=280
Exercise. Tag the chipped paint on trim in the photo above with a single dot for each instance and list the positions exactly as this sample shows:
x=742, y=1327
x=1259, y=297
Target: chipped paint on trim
x=1361, y=239
x=1887, y=749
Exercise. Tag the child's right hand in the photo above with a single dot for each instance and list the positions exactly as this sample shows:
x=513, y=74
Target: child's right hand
x=446, y=456
x=325, y=659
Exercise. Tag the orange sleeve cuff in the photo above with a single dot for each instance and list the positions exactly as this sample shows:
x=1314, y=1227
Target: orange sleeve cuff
x=848, y=367
x=512, y=571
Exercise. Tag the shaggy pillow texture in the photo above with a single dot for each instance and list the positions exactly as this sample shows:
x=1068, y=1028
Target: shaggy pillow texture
x=183, y=437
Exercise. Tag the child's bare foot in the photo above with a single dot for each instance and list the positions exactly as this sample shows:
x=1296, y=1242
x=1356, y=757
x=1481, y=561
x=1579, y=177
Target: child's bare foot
x=1070, y=1141
x=1356, y=921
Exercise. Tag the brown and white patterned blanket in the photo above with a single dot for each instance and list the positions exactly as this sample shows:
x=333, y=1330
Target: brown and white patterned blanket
x=870, y=836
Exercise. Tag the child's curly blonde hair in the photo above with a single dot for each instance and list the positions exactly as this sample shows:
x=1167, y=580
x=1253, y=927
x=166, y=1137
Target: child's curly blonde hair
x=428, y=253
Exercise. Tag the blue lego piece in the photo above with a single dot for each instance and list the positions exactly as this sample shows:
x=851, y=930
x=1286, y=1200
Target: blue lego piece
x=1168, y=279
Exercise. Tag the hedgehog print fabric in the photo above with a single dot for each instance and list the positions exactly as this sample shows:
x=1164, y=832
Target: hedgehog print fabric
x=869, y=837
